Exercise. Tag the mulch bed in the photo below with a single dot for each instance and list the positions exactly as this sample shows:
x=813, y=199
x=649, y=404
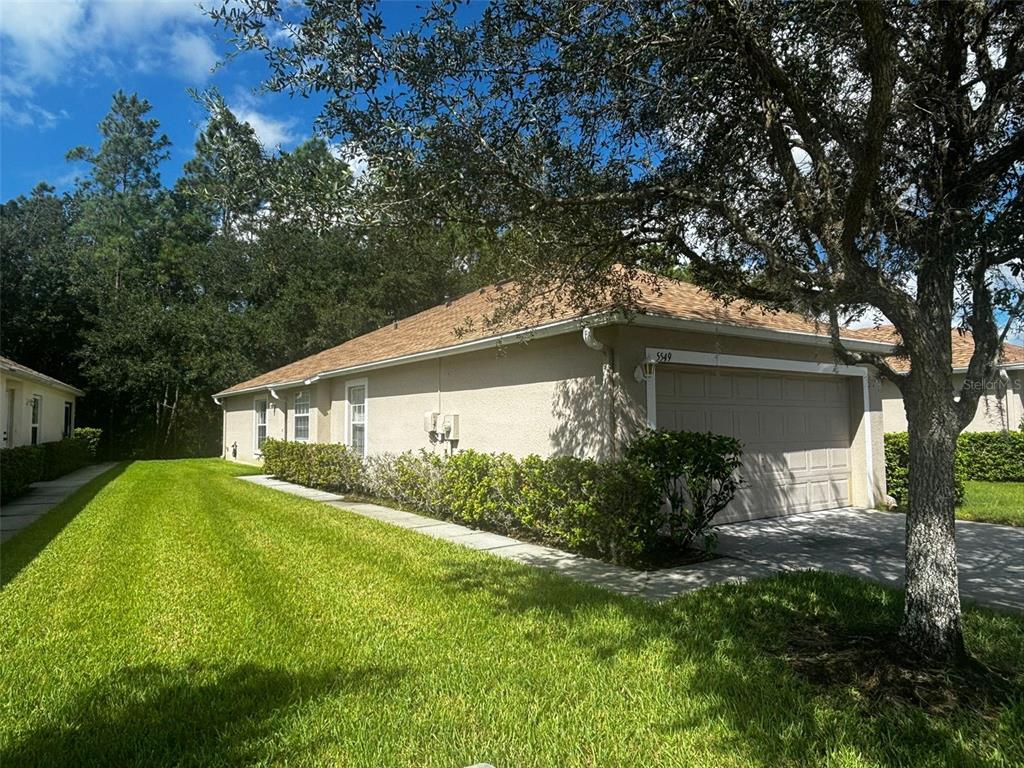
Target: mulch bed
x=874, y=665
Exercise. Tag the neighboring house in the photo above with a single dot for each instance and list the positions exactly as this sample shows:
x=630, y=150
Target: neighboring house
x=1001, y=406
x=565, y=383
x=36, y=408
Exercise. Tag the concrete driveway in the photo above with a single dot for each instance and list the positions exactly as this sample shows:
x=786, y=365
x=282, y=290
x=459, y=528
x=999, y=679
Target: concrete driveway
x=871, y=545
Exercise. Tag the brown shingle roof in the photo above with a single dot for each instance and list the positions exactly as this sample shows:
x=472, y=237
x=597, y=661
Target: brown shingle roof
x=963, y=348
x=17, y=368
x=465, y=319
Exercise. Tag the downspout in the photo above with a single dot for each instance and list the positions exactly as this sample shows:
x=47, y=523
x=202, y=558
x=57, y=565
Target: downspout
x=284, y=411
x=869, y=457
x=607, y=378
x=591, y=341
x=1004, y=402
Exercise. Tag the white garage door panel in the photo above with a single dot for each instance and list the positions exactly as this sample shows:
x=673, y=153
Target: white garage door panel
x=795, y=431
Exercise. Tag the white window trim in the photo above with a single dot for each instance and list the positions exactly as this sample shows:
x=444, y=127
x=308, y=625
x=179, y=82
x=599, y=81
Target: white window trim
x=310, y=421
x=349, y=385
x=710, y=359
x=71, y=421
x=255, y=424
x=38, y=423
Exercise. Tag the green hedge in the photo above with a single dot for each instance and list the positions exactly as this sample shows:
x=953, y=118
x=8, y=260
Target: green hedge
x=316, y=465
x=610, y=510
x=993, y=456
x=19, y=468
x=24, y=465
x=64, y=456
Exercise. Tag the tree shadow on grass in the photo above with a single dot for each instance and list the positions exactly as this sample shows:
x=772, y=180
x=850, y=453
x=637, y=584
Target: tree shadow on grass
x=22, y=549
x=156, y=715
x=741, y=639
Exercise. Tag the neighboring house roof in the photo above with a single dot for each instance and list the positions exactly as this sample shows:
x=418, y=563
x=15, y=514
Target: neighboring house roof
x=462, y=324
x=6, y=364
x=963, y=349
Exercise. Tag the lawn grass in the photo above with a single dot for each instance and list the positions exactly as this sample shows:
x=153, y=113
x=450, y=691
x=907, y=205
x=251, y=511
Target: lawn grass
x=993, y=503
x=185, y=618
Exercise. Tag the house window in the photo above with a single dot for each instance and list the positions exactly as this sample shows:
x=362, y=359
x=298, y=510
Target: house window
x=260, y=415
x=37, y=406
x=302, y=416
x=356, y=396
x=69, y=418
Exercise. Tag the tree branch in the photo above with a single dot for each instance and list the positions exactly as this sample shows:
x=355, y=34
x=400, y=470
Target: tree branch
x=849, y=357
x=882, y=69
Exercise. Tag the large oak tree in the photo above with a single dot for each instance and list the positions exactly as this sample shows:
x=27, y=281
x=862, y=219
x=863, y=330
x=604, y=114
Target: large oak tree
x=829, y=157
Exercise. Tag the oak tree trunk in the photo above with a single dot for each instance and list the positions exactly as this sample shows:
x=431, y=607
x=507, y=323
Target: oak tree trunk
x=931, y=625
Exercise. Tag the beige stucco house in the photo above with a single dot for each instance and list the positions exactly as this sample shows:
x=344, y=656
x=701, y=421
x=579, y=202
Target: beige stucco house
x=1001, y=406
x=582, y=383
x=35, y=408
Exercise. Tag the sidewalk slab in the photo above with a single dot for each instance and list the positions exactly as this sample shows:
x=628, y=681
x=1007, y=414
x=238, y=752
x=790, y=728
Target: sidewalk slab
x=19, y=513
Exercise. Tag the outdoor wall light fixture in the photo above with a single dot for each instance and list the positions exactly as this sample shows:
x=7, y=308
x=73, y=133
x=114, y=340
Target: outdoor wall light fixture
x=644, y=371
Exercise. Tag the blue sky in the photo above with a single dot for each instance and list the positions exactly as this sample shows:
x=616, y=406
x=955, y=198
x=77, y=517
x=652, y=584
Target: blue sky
x=61, y=60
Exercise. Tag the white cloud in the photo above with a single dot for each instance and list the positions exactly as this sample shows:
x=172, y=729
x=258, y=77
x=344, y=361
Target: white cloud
x=273, y=132
x=194, y=55
x=28, y=114
x=61, y=39
x=39, y=38
x=73, y=40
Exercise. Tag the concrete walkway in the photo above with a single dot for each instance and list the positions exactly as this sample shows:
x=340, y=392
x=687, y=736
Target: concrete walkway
x=21, y=512
x=652, y=585
x=871, y=545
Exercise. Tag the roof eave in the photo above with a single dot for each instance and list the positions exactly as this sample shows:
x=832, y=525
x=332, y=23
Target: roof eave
x=536, y=332
x=566, y=326
x=768, y=334
x=41, y=379
x=1000, y=366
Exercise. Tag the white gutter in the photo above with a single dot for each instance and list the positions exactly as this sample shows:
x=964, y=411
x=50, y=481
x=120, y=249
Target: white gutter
x=574, y=324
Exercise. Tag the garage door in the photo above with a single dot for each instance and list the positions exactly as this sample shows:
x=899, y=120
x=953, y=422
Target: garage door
x=795, y=431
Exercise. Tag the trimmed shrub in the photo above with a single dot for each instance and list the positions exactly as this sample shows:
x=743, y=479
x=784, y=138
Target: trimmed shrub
x=608, y=509
x=413, y=480
x=64, y=456
x=481, y=488
x=22, y=466
x=993, y=456
x=696, y=472
x=91, y=437
x=328, y=466
x=19, y=468
x=897, y=460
